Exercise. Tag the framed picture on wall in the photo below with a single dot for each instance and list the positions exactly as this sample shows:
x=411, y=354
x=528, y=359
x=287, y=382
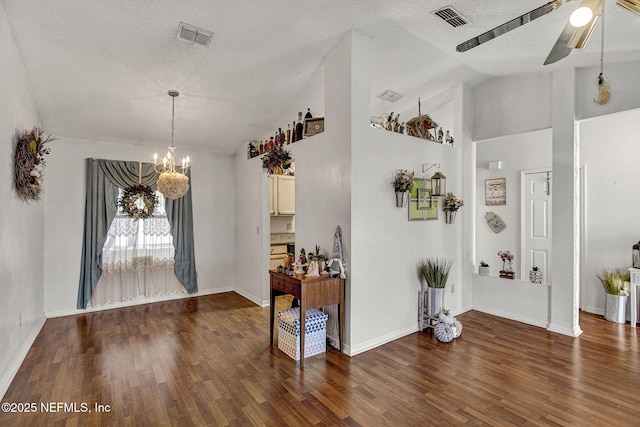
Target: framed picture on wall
x=495, y=191
x=422, y=206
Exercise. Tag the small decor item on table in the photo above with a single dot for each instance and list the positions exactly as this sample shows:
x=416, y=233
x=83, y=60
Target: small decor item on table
x=29, y=162
x=138, y=201
x=336, y=265
x=635, y=255
x=403, y=184
x=276, y=161
x=616, y=285
x=507, y=258
x=535, y=275
x=484, y=269
x=450, y=207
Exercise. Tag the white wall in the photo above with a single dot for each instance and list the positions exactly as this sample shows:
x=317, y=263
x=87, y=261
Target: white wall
x=213, y=186
x=511, y=105
x=625, y=89
x=21, y=223
x=609, y=149
x=517, y=153
x=251, y=229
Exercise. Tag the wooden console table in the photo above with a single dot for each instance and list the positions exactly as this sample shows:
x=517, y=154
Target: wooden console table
x=314, y=292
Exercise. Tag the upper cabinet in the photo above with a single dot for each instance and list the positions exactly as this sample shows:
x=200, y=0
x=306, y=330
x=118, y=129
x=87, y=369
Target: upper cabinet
x=282, y=195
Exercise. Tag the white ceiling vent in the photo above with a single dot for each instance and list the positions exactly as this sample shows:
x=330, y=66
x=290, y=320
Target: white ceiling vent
x=194, y=34
x=389, y=95
x=451, y=16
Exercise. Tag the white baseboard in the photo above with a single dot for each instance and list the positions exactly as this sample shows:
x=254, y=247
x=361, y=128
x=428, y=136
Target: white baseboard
x=392, y=336
x=252, y=298
x=512, y=316
x=138, y=301
x=7, y=376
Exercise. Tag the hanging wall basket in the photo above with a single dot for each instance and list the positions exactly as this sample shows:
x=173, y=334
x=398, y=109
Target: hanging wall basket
x=29, y=163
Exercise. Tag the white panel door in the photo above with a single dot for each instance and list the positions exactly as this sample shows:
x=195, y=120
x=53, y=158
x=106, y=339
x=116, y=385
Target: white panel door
x=536, y=224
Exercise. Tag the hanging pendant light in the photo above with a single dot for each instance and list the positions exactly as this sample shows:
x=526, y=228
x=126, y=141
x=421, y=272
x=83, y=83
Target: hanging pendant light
x=604, y=90
x=173, y=182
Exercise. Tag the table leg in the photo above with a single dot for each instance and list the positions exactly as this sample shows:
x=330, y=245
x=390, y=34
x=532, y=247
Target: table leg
x=303, y=327
x=271, y=308
x=634, y=304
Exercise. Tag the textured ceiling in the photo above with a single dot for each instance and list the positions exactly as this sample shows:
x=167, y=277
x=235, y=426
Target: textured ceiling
x=100, y=70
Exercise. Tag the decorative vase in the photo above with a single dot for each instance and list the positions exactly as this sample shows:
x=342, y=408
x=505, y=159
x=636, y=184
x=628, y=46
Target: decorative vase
x=615, y=309
x=535, y=276
x=449, y=217
x=435, y=301
x=401, y=199
x=484, y=271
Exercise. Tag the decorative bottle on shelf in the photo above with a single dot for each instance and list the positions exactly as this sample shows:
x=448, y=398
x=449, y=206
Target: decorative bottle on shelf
x=288, y=134
x=308, y=115
x=294, y=134
x=299, y=127
x=261, y=149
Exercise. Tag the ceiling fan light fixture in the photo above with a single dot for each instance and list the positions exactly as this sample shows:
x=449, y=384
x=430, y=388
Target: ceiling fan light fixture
x=581, y=16
x=581, y=37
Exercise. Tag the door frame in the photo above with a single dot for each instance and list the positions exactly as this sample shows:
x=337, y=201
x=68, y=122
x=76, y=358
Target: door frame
x=523, y=273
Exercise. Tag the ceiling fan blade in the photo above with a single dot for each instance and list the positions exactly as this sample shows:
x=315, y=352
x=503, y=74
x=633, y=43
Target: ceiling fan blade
x=561, y=49
x=511, y=25
x=630, y=5
x=575, y=38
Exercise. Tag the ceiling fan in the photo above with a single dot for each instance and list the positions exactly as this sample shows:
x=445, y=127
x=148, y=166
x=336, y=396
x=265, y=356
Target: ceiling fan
x=575, y=34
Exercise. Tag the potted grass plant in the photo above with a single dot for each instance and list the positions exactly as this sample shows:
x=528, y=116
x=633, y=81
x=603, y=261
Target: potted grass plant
x=435, y=272
x=616, y=286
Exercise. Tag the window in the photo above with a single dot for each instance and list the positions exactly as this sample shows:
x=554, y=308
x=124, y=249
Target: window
x=137, y=259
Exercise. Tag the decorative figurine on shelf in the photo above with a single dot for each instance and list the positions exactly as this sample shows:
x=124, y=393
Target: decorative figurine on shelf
x=253, y=151
x=308, y=115
x=440, y=135
x=288, y=262
x=335, y=266
x=302, y=259
x=390, y=121
x=448, y=138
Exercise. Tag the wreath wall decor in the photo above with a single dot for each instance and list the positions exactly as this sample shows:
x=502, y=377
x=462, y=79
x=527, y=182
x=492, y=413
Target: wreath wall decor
x=29, y=162
x=138, y=201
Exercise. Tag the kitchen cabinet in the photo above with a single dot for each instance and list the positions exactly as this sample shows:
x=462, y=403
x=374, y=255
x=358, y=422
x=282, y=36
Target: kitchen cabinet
x=277, y=256
x=282, y=195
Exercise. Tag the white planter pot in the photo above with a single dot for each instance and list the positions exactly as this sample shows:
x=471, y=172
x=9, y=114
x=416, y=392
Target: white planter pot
x=401, y=199
x=484, y=271
x=615, y=309
x=535, y=276
x=436, y=298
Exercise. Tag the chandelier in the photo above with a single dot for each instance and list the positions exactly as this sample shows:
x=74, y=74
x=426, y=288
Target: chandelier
x=173, y=182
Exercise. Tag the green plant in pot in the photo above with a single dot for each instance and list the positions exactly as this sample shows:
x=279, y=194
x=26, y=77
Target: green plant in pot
x=483, y=269
x=435, y=272
x=616, y=286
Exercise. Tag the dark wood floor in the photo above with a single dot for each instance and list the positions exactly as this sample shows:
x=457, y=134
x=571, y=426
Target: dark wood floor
x=207, y=361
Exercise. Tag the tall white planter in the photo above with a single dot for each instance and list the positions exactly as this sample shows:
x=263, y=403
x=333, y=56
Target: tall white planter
x=615, y=309
x=436, y=298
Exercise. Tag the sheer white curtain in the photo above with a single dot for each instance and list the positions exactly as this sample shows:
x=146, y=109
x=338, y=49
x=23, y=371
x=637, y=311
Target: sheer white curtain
x=137, y=260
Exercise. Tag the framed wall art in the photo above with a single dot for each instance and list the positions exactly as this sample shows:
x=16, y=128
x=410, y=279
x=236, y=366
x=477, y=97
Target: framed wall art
x=495, y=191
x=422, y=206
